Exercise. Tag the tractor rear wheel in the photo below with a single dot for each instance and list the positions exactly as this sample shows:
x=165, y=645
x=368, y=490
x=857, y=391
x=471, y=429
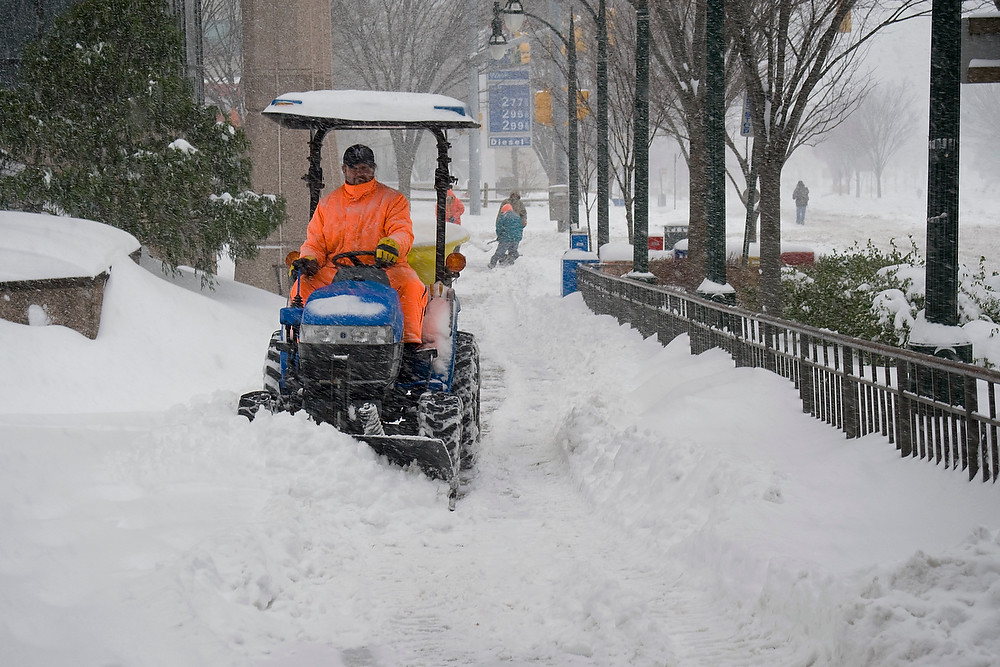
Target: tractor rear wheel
x=272, y=364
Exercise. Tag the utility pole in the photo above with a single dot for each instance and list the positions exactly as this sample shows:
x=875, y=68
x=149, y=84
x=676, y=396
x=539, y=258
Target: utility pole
x=640, y=235
x=573, y=106
x=715, y=140
x=942, y=178
x=475, y=158
x=942, y=163
x=603, y=159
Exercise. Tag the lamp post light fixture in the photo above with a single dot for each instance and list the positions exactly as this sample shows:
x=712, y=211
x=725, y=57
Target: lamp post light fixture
x=497, y=43
x=512, y=15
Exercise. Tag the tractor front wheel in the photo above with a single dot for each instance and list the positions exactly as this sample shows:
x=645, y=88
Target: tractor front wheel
x=466, y=385
x=439, y=415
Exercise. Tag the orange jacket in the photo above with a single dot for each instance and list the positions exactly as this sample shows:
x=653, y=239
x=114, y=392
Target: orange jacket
x=454, y=208
x=355, y=217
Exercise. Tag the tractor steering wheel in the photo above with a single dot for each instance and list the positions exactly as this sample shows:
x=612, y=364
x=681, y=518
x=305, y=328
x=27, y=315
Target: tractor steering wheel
x=351, y=256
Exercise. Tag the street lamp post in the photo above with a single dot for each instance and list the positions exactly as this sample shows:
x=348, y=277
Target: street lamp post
x=640, y=232
x=942, y=183
x=475, y=163
x=603, y=153
x=513, y=15
x=715, y=140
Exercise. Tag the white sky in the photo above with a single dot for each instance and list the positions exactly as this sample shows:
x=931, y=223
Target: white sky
x=633, y=504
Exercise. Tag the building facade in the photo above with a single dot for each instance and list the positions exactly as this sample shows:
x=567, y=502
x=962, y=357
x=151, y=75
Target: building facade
x=286, y=48
x=22, y=22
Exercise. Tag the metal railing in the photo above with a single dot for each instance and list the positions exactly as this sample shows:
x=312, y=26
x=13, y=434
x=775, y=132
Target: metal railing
x=931, y=408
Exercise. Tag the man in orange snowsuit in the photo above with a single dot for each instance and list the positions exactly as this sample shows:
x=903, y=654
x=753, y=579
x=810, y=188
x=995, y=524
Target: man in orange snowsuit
x=364, y=214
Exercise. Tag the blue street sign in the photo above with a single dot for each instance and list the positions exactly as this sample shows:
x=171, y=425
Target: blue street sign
x=746, y=124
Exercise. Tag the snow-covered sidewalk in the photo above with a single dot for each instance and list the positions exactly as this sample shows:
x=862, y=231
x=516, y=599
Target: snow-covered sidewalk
x=633, y=505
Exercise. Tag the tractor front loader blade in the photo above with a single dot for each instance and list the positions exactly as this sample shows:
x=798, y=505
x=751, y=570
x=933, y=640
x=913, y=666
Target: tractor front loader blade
x=430, y=454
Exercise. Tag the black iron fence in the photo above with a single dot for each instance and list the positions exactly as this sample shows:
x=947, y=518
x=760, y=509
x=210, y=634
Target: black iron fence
x=931, y=408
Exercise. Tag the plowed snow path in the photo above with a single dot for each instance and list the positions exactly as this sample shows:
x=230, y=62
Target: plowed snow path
x=604, y=594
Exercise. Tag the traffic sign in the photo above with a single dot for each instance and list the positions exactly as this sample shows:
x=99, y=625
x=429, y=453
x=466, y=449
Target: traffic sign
x=510, y=108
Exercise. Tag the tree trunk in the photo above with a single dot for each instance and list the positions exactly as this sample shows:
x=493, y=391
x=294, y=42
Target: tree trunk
x=405, y=147
x=698, y=192
x=770, y=238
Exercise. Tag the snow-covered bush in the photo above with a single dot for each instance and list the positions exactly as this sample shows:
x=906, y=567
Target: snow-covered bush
x=861, y=292
x=879, y=296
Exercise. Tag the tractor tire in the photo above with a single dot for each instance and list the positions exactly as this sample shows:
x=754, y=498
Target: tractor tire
x=272, y=365
x=439, y=415
x=253, y=401
x=466, y=386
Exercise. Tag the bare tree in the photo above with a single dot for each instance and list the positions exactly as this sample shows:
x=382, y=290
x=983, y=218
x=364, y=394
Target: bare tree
x=621, y=109
x=678, y=55
x=223, y=53
x=799, y=67
x=621, y=105
x=404, y=45
x=979, y=111
x=844, y=156
x=587, y=160
x=549, y=70
x=885, y=120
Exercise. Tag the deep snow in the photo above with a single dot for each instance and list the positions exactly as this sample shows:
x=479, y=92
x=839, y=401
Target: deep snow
x=633, y=504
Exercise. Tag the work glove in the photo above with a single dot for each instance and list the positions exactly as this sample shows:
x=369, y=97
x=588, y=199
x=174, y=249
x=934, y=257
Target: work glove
x=387, y=251
x=307, y=265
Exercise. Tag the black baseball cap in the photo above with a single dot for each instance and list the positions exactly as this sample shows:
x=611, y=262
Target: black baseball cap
x=359, y=154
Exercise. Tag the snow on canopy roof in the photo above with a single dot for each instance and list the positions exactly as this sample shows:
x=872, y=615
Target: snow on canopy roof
x=35, y=246
x=347, y=109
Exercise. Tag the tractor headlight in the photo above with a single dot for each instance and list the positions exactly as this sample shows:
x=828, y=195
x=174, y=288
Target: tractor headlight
x=321, y=333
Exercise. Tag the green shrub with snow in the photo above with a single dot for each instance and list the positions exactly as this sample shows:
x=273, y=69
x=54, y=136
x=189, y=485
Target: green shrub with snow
x=841, y=290
x=879, y=296
x=103, y=125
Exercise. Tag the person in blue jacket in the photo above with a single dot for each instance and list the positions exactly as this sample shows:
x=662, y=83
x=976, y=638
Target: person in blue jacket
x=510, y=229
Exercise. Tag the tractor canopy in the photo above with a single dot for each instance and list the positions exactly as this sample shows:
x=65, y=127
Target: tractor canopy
x=369, y=109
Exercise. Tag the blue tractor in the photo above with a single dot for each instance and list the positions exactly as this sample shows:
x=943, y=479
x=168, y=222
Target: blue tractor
x=339, y=356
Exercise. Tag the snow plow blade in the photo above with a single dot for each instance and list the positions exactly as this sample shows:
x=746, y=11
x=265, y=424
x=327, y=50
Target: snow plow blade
x=429, y=453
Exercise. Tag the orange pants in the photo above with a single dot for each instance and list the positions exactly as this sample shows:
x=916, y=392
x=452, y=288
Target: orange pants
x=412, y=294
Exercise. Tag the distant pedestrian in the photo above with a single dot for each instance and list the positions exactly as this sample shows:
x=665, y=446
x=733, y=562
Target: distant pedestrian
x=453, y=208
x=509, y=229
x=801, y=197
x=515, y=203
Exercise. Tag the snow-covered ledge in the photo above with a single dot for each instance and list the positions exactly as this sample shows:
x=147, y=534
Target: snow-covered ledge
x=53, y=269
